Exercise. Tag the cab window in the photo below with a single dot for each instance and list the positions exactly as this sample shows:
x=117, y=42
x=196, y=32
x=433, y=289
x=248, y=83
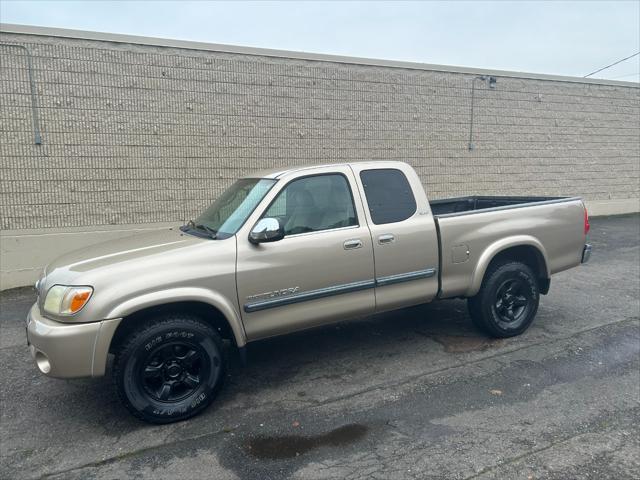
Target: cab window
x=389, y=195
x=312, y=204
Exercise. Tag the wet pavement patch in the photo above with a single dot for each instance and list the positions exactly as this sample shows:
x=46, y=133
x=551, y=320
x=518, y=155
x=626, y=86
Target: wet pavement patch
x=289, y=446
x=463, y=344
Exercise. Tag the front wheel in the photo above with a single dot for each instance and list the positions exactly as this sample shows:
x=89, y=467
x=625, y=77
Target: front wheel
x=169, y=369
x=508, y=300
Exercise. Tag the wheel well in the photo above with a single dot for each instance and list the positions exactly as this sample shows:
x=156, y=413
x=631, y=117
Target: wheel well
x=530, y=256
x=206, y=312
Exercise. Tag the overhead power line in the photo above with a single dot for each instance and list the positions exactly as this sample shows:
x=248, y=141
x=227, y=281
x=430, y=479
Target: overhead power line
x=615, y=63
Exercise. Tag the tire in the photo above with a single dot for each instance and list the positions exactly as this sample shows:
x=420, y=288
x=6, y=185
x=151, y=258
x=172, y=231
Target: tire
x=170, y=369
x=507, y=301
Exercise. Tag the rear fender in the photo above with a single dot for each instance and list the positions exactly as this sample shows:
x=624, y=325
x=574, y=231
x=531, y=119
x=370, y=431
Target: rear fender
x=499, y=246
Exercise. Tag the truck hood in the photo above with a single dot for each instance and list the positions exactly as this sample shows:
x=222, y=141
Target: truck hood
x=81, y=264
x=163, y=264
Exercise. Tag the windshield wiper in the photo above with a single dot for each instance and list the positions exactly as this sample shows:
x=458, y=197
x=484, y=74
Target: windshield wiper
x=212, y=233
x=208, y=230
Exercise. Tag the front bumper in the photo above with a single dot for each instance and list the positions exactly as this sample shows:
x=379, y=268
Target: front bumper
x=586, y=253
x=68, y=350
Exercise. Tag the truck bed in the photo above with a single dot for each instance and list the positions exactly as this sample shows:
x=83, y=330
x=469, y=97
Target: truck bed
x=462, y=205
x=469, y=227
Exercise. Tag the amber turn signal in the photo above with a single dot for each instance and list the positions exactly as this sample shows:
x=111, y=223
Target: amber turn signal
x=78, y=299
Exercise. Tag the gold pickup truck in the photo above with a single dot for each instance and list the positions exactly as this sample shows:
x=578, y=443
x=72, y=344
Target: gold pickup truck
x=285, y=250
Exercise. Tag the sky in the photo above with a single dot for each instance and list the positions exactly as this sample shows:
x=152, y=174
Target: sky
x=552, y=37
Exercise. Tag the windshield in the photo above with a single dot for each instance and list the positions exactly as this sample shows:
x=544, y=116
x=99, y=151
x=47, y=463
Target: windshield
x=227, y=214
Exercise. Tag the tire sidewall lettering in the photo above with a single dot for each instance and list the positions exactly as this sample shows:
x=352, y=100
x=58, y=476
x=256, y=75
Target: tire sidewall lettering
x=199, y=399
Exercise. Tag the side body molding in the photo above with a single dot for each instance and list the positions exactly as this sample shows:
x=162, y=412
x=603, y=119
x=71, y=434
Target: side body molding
x=498, y=246
x=185, y=294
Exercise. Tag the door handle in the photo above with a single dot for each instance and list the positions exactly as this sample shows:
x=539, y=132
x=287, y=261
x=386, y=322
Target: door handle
x=352, y=244
x=386, y=238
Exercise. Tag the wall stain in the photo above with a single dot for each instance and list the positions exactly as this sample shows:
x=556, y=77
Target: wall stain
x=289, y=446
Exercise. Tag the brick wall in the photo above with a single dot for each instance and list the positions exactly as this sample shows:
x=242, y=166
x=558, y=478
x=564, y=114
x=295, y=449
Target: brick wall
x=139, y=134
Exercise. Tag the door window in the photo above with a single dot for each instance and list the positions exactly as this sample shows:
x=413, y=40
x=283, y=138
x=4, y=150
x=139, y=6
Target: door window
x=315, y=203
x=389, y=195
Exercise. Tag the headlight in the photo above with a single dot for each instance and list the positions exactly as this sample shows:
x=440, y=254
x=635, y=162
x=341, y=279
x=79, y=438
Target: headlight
x=64, y=300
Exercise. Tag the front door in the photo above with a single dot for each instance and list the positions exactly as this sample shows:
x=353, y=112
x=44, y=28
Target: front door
x=321, y=271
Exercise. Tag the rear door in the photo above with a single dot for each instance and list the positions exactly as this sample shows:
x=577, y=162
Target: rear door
x=321, y=271
x=404, y=236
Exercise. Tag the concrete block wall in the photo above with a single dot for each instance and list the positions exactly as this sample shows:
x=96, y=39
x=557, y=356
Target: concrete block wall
x=141, y=133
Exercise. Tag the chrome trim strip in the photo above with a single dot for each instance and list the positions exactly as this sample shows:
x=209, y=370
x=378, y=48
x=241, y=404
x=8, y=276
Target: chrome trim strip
x=405, y=277
x=310, y=295
x=337, y=290
x=339, y=229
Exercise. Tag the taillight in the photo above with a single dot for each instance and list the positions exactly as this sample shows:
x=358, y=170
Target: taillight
x=587, y=227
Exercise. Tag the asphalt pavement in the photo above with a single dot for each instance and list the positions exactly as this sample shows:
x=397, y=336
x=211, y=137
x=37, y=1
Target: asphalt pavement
x=417, y=393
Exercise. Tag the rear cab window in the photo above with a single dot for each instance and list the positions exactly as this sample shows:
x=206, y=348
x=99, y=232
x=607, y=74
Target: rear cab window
x=389, y=195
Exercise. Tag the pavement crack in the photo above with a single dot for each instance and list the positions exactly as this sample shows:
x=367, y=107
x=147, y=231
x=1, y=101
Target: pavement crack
x=132, y=453
x=599, y=426
x=387, y=385
x=457, y=365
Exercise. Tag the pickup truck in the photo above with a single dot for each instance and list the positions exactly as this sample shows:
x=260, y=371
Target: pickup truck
x=285, y=250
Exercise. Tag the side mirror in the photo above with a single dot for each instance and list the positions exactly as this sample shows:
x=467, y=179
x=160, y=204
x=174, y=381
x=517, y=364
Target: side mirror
x=266, y=230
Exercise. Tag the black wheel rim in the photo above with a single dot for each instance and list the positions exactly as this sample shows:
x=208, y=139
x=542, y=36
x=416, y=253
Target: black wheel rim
x=513, y=299
x=174, y=371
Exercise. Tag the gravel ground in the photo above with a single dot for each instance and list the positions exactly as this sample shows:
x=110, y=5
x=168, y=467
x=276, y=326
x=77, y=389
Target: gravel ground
x=412, y=394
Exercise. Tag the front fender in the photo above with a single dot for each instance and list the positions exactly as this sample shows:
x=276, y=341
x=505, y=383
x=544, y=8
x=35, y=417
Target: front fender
x=495, y=248
x=185, y=294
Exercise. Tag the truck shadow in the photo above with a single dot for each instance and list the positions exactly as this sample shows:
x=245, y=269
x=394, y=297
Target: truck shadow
x=330, y=357
x=344, y=349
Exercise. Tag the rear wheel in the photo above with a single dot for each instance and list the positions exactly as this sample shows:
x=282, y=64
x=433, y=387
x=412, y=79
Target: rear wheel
x=169, y=369
x=508, y=300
